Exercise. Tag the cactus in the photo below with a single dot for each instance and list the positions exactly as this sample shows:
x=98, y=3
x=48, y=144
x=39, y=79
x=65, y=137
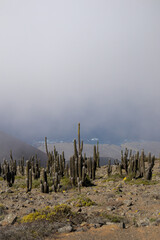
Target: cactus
x=120, y=166
x=93, y=169
x=149, y=157
x=41, y=186
x=79, y=143
x=109, y=168
x=75, y=149
x=67, y=171
x=89, y=167
x=30, y=179
x=44, y=184
x=46, y=146
x=149, y=169
x=80, y=167
x=56, y=183
x=142, y=164
x=83, y=175
x=79, y=183
x=97, y=157
x=28, y=176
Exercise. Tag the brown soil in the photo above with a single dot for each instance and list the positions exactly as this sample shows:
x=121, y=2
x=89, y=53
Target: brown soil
x=113, y=232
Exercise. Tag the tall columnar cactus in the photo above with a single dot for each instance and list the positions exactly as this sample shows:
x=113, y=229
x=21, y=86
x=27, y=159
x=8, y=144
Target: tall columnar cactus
x=9, y=175
x=89, y=167
x=98, y=157
x=56, y=182
x=131, y=164
x=122, y=160
x=67, y=171
x=95, y=155
x=126, y=152
x=63, y=161
x=148, y=175
x=46, y=146
x=135, y=166
x=93, y=170
x=120, y=166
x=142, y=164
x=11, y=156
x=80, y=167
x=109, y=168
x=83, y=175
x=76, y=168
x=130, y=153
x=149, y=157
x=125, y=162
x=79, y=141
x=79, y=185
x=28, y=176
x=44, y=183
x=30, y=179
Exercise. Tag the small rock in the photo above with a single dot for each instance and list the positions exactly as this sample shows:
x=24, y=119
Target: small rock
x=128, y=203
x=79, y=210
x=123, y=214
x=111, y=208
x=108, y=223
x=8, y=190
x=31, y=210
x=83, y=224
x=122, y=225
x=65, y=229
x=97, y=225
x=120, y=185
x=10, y=219
x=84, y=229
x=79, y=229
x=143, y=222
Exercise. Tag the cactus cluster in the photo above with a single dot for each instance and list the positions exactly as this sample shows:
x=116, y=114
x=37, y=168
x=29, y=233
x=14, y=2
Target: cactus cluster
x=55, y=162
x=81, y=167
x=79, y=171
x=7, y=173
x=136, y=165
x=8, y=170
x=21, y=166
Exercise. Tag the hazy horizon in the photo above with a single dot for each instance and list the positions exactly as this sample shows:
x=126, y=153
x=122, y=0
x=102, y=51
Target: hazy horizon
x=89, y=61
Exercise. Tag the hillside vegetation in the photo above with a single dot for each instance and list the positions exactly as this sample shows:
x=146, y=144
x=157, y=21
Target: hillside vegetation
x=79, y=196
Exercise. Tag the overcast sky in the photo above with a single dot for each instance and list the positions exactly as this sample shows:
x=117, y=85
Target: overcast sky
x=96, y=62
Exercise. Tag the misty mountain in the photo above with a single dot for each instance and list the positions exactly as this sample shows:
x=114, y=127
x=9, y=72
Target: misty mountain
x=106, y=151
x=18, y=148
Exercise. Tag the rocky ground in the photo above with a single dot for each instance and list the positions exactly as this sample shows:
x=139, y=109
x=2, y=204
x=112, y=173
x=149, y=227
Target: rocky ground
x=113, y=207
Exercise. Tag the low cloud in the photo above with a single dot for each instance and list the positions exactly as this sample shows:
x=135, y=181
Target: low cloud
x=91, y=62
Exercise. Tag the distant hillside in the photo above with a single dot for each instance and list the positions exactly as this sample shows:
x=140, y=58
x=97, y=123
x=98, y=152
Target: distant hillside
x=106, y=151
x=153, y=147
x=18, y=148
